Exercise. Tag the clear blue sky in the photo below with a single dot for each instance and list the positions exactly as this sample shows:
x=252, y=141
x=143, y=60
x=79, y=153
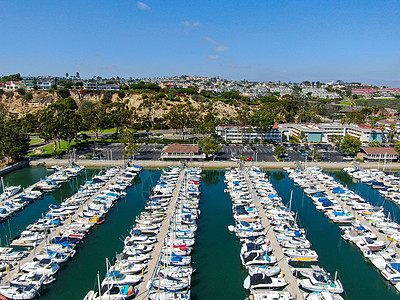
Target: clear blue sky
x=258, y=40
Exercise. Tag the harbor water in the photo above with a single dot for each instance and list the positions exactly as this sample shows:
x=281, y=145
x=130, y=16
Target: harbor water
x=219, y=273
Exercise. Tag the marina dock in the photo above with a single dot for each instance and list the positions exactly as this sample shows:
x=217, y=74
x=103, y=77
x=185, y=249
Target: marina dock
x=359, y=217
x=155, y=254
x=45, y=242
x=292, y=286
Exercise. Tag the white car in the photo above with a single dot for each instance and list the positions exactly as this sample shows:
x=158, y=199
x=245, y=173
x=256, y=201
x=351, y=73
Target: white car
x=348, y=158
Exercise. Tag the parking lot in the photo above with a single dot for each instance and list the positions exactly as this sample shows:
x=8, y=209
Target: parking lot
x=266, y=153
x=115, y=151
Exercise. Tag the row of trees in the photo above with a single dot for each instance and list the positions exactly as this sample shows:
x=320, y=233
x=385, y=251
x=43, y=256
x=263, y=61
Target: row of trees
x=63, y=119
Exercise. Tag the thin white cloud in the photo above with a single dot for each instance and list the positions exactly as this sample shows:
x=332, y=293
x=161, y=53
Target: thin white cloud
x=188, y=24
x=213, y=57
x=221, y=48
x=210, y=40
x=143, y=6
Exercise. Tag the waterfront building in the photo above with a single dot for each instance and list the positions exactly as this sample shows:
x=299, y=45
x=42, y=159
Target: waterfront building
x=241, y=134
x=182, y=152
x=322, y=133
x=378, y=154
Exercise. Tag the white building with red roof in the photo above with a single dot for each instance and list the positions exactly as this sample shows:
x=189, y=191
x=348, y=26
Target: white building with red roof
x=379, y=154
x=12, y=85
x=323, y=132
x=182, y=152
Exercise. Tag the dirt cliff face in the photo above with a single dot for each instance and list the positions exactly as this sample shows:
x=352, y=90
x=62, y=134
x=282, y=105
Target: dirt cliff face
x=19, y=105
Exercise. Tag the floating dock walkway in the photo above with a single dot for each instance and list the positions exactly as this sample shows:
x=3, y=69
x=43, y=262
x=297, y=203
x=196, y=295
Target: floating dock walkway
x=155, y=254
x=292, y=286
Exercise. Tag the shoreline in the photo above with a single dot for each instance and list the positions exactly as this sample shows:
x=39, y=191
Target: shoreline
x=213, y=164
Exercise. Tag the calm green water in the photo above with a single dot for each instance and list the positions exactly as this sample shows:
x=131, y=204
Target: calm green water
x=216, y=256
x=219, y=274
x=360, y=278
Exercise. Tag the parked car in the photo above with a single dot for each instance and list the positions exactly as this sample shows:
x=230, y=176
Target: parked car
x=249, y=159
x=348, y=158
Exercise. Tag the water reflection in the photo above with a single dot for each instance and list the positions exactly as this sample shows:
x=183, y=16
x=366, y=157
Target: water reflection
x=211, y=177
x=344, y=178
x=278, y=176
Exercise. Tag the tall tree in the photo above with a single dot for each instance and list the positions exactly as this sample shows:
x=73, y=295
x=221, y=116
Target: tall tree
x=263, y=120
x=95, y=119
x=350, y=145
x=118, y=115
x=209, y=146
x=181, y=116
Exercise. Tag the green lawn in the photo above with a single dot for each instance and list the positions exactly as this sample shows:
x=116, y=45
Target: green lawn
x=49, y=149
x=346, y=102
x=108, y=130
x=35, y=141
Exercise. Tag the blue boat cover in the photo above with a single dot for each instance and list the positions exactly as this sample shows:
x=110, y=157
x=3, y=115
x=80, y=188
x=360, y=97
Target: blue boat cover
x=395, y=266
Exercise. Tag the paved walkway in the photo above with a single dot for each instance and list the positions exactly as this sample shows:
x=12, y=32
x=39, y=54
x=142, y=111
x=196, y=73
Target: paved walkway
x=210, y=164
x=44, y=243
x=292, y=286
x=155, y=254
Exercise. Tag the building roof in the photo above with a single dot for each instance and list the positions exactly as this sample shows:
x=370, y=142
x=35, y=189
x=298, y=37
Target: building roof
x=181, y=148
x=379, y=150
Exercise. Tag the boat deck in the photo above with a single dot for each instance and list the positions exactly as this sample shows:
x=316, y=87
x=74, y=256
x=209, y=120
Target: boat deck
x=292, y=286
x=155, y=254
x=53, y=234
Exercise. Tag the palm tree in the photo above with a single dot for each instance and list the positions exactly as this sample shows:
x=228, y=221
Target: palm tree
x=77, y=74
x=383, y=128
x=392, y=131
x=372, y=122
x=66, y=75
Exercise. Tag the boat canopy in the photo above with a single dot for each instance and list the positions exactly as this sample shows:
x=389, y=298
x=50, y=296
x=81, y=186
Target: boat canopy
x=260, y=278
x=395, y=266
x=113, y=274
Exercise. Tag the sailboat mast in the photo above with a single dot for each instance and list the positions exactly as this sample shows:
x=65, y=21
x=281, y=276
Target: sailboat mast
x=98, y=283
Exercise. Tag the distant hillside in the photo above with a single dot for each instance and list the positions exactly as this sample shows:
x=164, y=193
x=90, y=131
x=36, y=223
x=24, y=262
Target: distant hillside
x=144, y=102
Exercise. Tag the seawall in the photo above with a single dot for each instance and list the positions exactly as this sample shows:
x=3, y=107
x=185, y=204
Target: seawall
x=14, y=167
x=213, y=164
